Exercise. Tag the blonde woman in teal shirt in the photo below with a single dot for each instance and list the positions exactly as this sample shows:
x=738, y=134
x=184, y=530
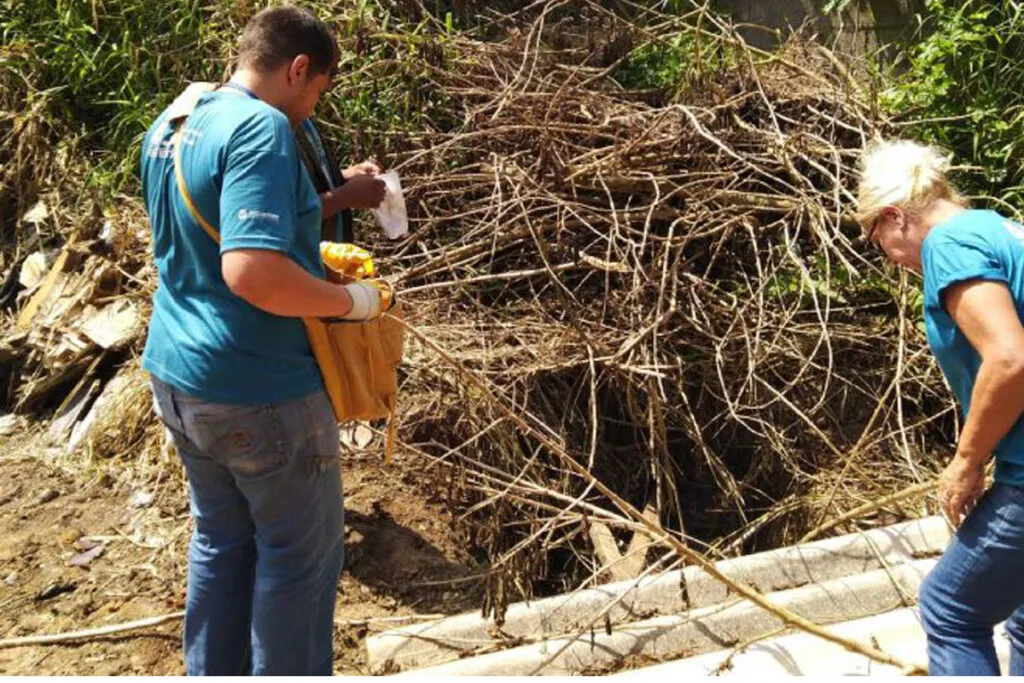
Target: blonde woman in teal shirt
x=972, y=264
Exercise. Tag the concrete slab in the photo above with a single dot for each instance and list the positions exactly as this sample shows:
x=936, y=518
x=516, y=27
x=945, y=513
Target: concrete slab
x=701, y=630
x=664, y=594
x=799, y=654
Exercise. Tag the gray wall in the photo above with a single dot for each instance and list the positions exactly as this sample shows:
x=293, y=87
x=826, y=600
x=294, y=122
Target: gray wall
x=863, y=26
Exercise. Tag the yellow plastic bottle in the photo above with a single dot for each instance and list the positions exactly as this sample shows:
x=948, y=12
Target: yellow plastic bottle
x=347, y=259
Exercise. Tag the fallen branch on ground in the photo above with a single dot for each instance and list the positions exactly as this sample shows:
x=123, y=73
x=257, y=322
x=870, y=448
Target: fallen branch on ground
x=149, y=622
x=103, y=631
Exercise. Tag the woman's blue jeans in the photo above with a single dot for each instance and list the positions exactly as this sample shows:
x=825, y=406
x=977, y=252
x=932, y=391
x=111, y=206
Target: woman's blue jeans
x=267, y=549
x=978, y=583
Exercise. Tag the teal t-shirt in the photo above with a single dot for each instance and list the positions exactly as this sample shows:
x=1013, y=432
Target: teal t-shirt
x=974, y=245
x=244, y=174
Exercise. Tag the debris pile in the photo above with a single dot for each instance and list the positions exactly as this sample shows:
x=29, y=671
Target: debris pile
x=673, y=290
x=82, y=312
x=668, y=284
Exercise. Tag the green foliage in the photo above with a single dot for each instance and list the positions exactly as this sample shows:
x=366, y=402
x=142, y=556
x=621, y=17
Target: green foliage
x=965, y=78
x=383, y=89
x=816, y=278
x=656, y=66
x=112, y=64
x=110, y=67
x=670, y=65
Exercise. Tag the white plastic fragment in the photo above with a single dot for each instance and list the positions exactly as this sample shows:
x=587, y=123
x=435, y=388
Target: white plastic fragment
x=391, y=214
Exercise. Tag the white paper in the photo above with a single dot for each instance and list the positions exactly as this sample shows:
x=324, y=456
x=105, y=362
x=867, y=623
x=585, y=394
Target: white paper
x=391, y=212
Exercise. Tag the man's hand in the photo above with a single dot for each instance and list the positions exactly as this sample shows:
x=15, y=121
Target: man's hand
x=365, y=168
x=359, y=192
x=386, y=290
x=960, y=486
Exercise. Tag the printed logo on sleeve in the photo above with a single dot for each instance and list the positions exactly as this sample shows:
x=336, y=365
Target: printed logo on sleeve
x=254, y=215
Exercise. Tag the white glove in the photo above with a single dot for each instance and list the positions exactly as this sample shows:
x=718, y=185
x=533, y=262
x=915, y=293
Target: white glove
x=365, y=301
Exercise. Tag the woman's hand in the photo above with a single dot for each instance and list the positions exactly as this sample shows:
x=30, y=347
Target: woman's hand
x=364, y=168
x=986, y=313
x=960, y=486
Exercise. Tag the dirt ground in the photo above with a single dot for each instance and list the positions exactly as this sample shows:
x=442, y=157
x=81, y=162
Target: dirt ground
x=83, y=549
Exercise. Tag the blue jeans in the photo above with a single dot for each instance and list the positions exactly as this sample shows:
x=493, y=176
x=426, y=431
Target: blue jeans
x=978, y=583
x=267, y=549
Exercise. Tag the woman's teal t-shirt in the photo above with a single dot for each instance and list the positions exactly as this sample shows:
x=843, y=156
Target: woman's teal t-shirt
x=973, y=245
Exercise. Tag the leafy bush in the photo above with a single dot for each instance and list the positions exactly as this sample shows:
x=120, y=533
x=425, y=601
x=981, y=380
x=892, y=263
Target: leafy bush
x=964, y=80
x=109, y=68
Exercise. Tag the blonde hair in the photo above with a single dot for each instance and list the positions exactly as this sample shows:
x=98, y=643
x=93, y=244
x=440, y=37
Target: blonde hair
x=902, y=173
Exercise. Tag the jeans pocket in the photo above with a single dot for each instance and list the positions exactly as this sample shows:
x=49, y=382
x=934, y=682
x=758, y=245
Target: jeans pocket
x=315, y=438
x=163, y=403
x=323, y=426
x=248, y=440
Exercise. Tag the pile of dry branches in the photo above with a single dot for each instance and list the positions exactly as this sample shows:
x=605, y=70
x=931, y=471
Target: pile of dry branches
x=674, y=291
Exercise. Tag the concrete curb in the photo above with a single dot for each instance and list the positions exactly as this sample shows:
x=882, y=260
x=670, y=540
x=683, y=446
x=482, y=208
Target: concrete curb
x=702, y=630
x=664, y=594
x=899, y=633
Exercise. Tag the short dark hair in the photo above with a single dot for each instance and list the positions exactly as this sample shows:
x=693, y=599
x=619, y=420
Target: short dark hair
x=277, y=35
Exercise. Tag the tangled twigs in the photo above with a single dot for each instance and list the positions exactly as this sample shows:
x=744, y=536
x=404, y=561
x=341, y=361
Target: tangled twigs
x=654, y=529
x=672, y=285
x=910, y=492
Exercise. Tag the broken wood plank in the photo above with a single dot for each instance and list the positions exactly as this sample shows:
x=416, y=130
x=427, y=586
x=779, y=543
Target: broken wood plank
x=606, y=549
x=77, y=402
x=635, y=557
x=618, y=566
x=28, y=313
x=33, y=391
x=72, y=408
x=114, y=325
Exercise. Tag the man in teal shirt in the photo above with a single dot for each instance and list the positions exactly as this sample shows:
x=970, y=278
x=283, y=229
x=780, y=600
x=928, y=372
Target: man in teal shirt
x=234, y=378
